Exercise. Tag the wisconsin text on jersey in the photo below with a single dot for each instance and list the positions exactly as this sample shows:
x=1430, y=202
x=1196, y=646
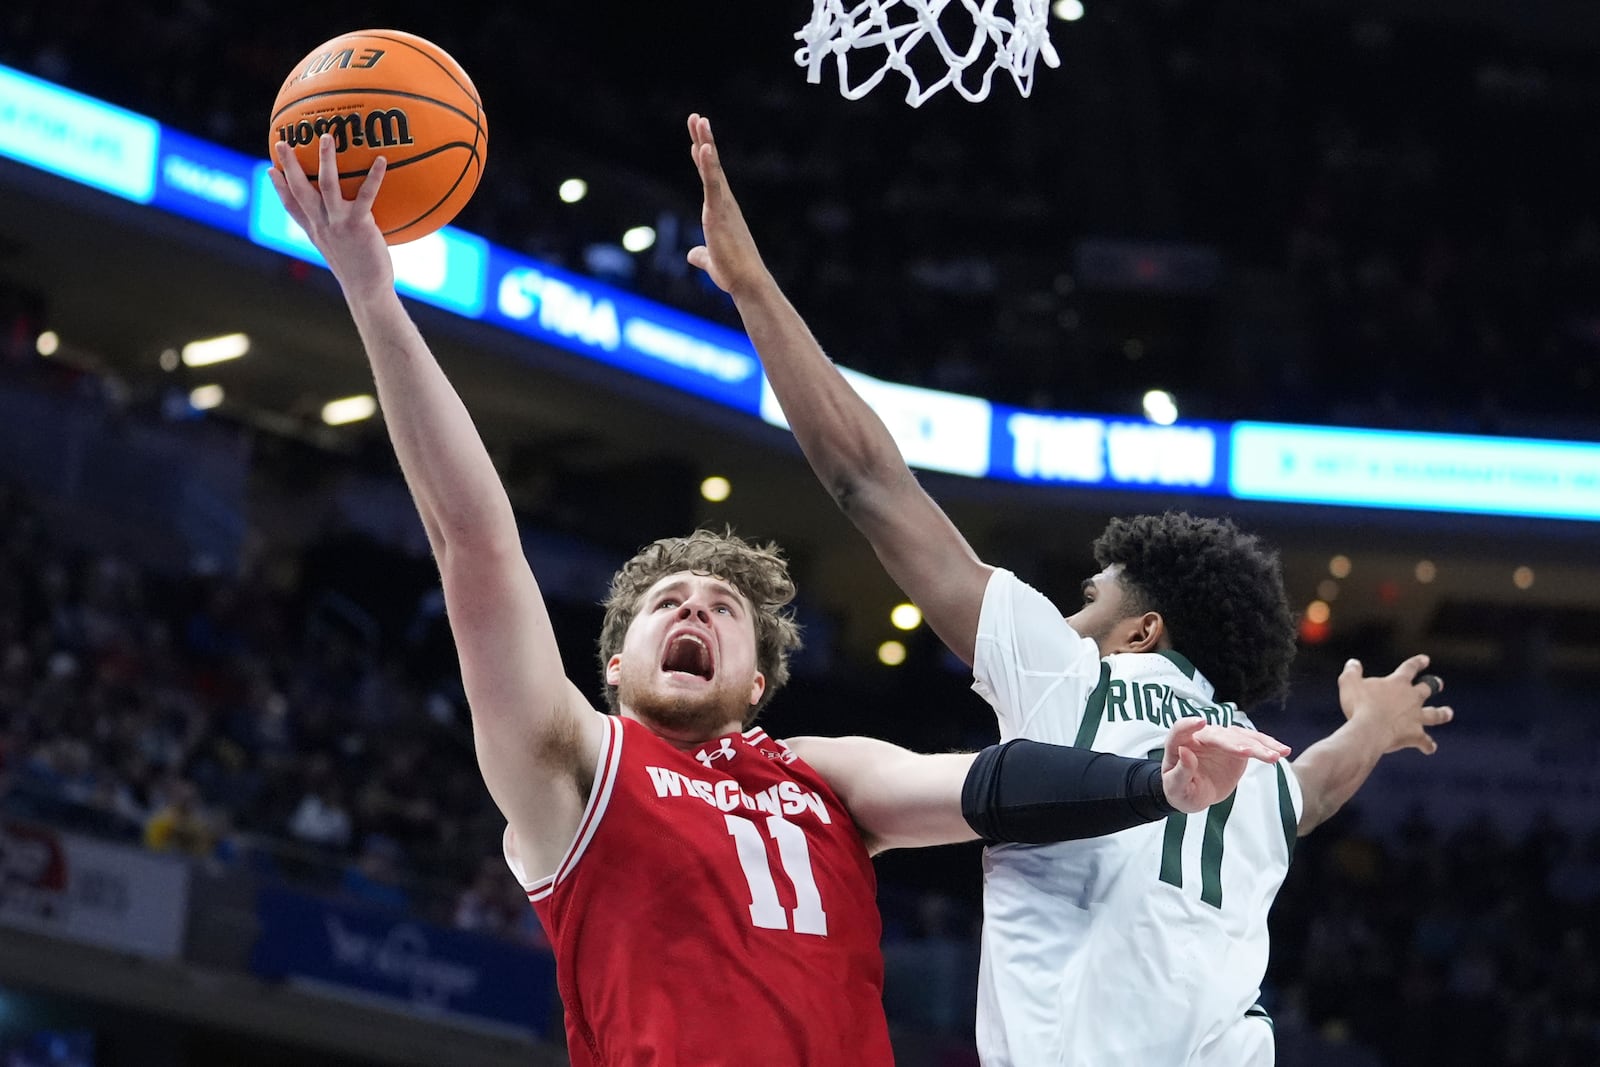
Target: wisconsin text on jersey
x=785, y=798
x=1153, y=702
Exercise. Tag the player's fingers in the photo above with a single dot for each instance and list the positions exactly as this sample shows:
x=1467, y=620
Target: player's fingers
x=1258, y=738
x=1426, y=744
x=1185, y=729
x=1242, y=741
x=1266, y=747
x=369, y=187
x=287, y=161
x=1412, y=667
x=1250, y=748
x=288, y=190
x=1188, y=761
x=328, y=170
x=710, y=169
x=1223, y=739
x=700, y=257
x=1432, y=682
x=1351, y=674
x=289, y=169
x=1437, y=716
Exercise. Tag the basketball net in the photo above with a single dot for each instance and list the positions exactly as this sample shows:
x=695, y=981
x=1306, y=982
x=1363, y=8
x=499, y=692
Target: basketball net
x=898, y=26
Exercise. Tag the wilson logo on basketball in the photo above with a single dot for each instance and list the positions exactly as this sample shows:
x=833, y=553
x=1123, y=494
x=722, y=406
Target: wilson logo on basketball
x=394, y=94
x=375, y=129
x=344, y=59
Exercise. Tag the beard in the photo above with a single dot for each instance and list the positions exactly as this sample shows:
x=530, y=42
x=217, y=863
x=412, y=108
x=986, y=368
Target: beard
x=696, y=715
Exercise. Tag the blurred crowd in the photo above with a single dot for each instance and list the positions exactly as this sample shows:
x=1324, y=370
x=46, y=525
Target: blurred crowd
x=1470, y=947
x=1272, y=210
x=239, y=722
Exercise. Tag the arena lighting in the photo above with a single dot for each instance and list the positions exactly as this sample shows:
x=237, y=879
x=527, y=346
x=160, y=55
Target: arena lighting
x=1426, y=571
x=639, y=238
x=891, y=653
x=48, y=343
x=1318, y=612
x=1067, y=10
x=906, y=616
x=1160, y=407
x=1522, y=577
x=215, y=350
x=572, y=190
x=349, y=409
x=1328, y=589
x=1339, y=566
x=205, y=397
x=716, y=488
x=129, y=156
x=1314, y=633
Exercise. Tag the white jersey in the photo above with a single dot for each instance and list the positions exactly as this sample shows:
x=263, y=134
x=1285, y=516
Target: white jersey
x=1144, y=948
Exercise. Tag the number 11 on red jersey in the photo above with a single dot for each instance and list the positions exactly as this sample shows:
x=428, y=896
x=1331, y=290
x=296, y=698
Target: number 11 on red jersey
x=765, y=909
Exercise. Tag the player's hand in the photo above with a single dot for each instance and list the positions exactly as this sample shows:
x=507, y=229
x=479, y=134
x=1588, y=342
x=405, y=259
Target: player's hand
x=1203, y=763
x=729, y=255
x=1396, y=703
x=343, y=230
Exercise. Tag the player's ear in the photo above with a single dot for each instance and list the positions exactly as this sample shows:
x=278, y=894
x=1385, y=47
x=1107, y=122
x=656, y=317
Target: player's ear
x=1146, y=633
x=757, y=686
x=614, y=670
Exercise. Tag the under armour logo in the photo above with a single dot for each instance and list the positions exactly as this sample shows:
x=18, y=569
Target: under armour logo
x=725, y=752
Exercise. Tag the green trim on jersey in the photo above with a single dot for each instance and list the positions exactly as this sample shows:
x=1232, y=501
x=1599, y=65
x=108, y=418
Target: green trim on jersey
x=1180, y=661
x=1093, y=708
x=1211, y=850
x=1172, y=840
x=1172, y=849
x=1291, y=824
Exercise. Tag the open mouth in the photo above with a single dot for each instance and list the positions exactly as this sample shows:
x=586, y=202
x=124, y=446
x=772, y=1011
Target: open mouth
x=688, y=654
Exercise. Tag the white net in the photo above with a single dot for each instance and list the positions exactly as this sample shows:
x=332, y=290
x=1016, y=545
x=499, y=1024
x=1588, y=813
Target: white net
x=1018, y=36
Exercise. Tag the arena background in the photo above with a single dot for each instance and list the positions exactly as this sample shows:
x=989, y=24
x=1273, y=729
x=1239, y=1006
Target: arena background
x=242, y=824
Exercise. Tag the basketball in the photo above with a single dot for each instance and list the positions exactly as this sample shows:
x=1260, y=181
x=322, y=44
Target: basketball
x=391, y=94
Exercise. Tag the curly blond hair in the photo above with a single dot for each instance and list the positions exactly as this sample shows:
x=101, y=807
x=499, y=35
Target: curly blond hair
x=758, y=571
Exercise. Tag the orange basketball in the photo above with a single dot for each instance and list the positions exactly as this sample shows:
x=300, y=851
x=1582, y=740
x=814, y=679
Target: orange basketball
x=391, y=94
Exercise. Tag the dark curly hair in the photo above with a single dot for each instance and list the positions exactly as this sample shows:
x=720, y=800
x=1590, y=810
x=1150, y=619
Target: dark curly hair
x=1220, y=591
x=758, y=571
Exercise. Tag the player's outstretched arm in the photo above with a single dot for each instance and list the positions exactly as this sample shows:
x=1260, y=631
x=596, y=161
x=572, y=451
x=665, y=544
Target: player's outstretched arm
x=1384, y=714
x=1028, y=791
x=848, y=446
x=536, y=735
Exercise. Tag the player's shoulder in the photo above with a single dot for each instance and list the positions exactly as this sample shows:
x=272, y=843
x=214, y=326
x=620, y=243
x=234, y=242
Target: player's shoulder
x=776, y=749
x=1007, y=588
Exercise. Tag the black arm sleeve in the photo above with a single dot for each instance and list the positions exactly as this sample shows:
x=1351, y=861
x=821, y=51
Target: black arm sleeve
x=1029, y=792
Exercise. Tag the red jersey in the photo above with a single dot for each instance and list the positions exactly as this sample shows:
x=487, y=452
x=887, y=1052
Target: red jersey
x=716, y=907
